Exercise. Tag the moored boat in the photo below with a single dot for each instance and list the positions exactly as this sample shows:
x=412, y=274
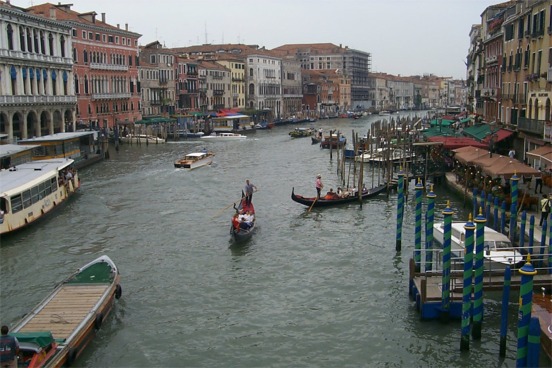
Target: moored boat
x=224, y=136
x=326, y=201
x=243, y=221
x=57, y=330
x=301, y=132
x=194, y=160
x=31, y=190
x=333, y=141
x=141, y=138
x=498, y=251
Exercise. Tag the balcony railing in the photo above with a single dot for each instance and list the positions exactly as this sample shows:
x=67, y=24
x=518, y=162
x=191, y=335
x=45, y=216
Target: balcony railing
x=110, y=96
x=31, y=100
x=110, y=67
x=218, y=92
x=35, y=57
x=533, y=126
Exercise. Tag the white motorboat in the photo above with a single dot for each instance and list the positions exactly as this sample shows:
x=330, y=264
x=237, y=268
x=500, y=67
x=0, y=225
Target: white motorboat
x=194, y=160
x=498, y=250
x=224, y=136
x=141, y=138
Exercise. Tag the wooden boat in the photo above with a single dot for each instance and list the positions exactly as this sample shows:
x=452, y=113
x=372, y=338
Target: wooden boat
x=58, y=329
x=224, y=136
x=301, y=132
x=333, y=141
x=239, y=233
x=323, y=202
x=498, y=250
x=194, y=160
x=316, y=139
x=31, y=190
x=141, y=138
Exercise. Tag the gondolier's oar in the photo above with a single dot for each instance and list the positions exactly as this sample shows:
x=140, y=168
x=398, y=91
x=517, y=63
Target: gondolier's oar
x=225, y=208
x=310, y=208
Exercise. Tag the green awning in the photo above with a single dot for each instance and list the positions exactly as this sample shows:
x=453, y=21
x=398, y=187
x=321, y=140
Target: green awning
x=436, y=131
x=157, y=120
x=41, y=339
x=478, y=131
x=441, y=122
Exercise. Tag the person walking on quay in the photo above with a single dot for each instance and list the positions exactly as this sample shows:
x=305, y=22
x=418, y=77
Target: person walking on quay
x=9, y=348
x=538, y=182
x=249, y=189
x=545, y=208
x=318, y=184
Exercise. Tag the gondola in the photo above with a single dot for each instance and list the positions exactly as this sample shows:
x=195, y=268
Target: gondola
x=322, y=202
x=316, y=139
x=241, y=234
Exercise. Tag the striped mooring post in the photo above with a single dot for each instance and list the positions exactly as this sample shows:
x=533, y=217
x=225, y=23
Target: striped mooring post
x=531, y=234
x=474, y=202
x=480, y=221
x=467, y=286
x=429, y=228
x=525, y=301
x=503, y=217
x=418, y=231
x=495, y=214
x=514, y=180
x=488, y=203
x=513, y=223
x=482, y=199
x=522, y=229
x=447, y=234
x=504, y=311
x=400, y=210
x=533, y=343
x=540, y=262
x=549, y=247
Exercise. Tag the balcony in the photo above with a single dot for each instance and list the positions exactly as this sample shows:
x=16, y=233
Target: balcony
x=41, y=100
x=110, y=96
x=491, y=59
x=218, y=92
x=532, y=126
x=46, y=59
x=109, y=67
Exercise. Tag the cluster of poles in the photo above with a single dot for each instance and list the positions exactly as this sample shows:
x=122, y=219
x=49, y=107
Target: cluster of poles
x=528, y=343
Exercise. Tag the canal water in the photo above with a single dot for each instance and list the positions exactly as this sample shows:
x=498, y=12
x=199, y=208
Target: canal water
x=324, y=288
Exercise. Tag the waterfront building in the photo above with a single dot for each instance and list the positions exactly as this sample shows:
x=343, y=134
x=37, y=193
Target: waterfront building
x=354, y=64
x=36, y=90
x=214, y=86
x=236, y=66
x=187, y=85
x=105, y=66
x=292, y=88
x=158, y=80
x=264, y=82
x=474, y=67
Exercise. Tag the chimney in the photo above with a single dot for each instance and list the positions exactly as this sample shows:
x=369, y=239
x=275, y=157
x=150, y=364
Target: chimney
x=118, y=25
x=52, y=13
x=126, y=26
x=103, y=17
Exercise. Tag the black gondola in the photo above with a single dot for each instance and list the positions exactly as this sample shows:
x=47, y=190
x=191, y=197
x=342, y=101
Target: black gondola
x=240, y=233
x=322, y=202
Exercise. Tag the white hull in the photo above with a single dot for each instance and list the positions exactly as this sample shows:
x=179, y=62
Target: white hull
x=45, y=181
x=498, y=251
x=135, y=139
x=224, y=137
x=195, y=160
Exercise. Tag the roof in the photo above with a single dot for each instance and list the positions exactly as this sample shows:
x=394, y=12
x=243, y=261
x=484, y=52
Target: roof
x=544, y=152
x=457, y=142
x=11, y=180
x=57, y=137
x=12, y=149
x=478, y=131
x=495, y=165
x=498, y=136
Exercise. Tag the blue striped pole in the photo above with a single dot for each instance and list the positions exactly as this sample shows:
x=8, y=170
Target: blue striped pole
x=400, y=210
x=531, y=234
x=447, y=233
x=533, y=343
x=467, y=290
x=549, y=247
x=478, y=269
x=482, y=200
x=503, y=217
x=474, y=202
x=522, y=230
x=488, y=204
x=525, y=301
x=504, y=311
x=418, y=234
x=513, y=223
x=514, y=180
x=495, y=215
x=429, y=228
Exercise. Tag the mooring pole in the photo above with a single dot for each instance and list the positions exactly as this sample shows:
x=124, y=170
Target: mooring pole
x=467, y=289
x=429, y=228
x=504, y=311
x=418, y=231
x=526, y=300
x=478, y=289
x=447, y=233
x=400, y=210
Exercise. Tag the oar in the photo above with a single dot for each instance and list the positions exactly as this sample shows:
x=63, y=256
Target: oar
x=310, y=208
x=225, y=208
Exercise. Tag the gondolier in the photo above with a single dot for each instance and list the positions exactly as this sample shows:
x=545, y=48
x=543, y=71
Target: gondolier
x=9, y=347
x=318, y=184
x=249, y=189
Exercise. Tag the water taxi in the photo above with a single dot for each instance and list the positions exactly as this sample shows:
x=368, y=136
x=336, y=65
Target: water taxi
x=194, y=160
x=224, y=136
x=31, y=190
x=141, y=138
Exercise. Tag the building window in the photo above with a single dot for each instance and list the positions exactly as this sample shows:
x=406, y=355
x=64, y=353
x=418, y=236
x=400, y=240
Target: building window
x=98, y=37
x=9, y=31
x=117, y=40
x=104, y=37
x=84, y=35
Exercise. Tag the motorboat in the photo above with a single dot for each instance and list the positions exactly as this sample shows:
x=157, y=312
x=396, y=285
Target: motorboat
x=498, y=250
x=141, y=138
x=194, y=160
x=224, y=136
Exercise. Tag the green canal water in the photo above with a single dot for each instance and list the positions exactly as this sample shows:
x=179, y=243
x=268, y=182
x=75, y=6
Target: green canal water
x=324, y=288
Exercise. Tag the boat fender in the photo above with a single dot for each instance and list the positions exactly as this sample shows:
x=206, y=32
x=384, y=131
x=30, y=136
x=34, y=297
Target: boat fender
x=118, y=291
x=98, y=321
x=71, y=357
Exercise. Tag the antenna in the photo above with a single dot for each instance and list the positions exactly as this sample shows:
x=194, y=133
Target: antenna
x=206, y=42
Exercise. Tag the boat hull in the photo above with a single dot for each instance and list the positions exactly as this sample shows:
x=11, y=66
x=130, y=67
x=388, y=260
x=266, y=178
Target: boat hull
x=193, y=162
x=322, y=202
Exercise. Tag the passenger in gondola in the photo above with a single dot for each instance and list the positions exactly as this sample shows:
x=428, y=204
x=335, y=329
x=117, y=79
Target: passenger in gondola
x=244, y=224
x=236, y=221
x=331, y=195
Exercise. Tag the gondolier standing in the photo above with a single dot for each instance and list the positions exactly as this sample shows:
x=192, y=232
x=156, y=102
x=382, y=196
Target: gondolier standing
x=318, y=185
x=249, y=189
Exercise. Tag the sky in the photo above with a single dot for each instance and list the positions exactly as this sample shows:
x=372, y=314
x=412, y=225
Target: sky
x=404, y=37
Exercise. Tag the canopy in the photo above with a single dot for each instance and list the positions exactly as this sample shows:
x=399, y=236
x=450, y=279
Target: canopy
x=457, y=142
x=478, y=131
x=507, y=167
x=544, y=152
x=468, y=154
x=156, y=120
x=498, y=136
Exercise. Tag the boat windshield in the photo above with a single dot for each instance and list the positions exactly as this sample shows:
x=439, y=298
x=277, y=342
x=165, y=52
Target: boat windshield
x=502, y=245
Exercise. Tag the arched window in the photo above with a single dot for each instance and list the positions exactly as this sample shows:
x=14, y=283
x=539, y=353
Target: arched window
x=9, y=31
x=51, y=43
x=250, y=72
x=251, y=89
x=85, y=85
x=36, y=41
x=536, y=115
x=75, y=55
x=85, y=56
x=22, y=39
x=62, y=45
x=76, y=84
x=29, y=40
x=42, y=43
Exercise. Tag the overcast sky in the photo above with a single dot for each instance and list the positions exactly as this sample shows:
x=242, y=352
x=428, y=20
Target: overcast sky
x=406, y=37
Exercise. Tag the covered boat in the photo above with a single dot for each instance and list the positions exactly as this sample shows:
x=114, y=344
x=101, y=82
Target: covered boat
x=57, y=330
x=194, y=160
x=329, y=202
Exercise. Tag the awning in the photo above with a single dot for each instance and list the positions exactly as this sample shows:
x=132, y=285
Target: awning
x=499, y=135
x=457, y=142
x=478, y=131
x=544, y=152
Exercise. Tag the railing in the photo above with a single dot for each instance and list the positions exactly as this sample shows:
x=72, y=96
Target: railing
x=35, y=57
x=110, y=67
x=108, y=96
x=531, y=126
x=29, y=100
x=218, y=92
